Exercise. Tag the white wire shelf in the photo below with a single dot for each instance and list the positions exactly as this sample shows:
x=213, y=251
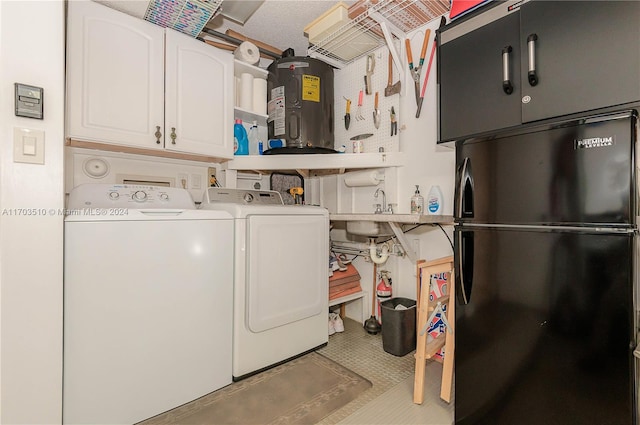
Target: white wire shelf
x=371, y=29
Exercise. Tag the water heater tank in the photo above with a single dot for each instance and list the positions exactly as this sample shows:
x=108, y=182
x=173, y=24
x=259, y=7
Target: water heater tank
x=300, y=95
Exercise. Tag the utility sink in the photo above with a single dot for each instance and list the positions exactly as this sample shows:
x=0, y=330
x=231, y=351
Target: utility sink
x=371, y=229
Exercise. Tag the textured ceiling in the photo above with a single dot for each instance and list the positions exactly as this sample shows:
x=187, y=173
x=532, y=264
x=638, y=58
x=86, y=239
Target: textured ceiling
x=279, y=23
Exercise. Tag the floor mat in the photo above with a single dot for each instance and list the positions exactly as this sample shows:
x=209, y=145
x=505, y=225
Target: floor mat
x=302, y=391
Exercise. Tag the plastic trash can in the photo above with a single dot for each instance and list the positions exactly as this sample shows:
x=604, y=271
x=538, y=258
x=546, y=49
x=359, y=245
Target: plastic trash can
x=399, y=326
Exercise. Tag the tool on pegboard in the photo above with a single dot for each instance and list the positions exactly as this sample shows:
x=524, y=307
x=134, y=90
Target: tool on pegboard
x=394, y=123
x=415, y=70
x=347, y=115
x=443, y=22
x=371, y=64
x=376, y=112
x=359, y=116
x=392, y=88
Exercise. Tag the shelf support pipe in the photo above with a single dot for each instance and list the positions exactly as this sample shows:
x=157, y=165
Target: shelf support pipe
x=387, y=30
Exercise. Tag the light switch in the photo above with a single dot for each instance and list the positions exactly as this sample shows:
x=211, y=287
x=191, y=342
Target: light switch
x=28, y=145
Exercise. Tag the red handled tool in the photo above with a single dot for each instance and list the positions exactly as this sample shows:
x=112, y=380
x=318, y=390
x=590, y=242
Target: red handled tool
x=415, y=71
x=443, y=21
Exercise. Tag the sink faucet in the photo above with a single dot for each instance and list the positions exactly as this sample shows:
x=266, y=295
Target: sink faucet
x=384, y=200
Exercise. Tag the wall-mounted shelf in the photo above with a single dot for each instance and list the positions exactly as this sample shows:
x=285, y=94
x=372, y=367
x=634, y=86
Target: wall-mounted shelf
x=250, y=116
x=240, y=67
x=306, y=162
x=375, y=24
x=395, y=221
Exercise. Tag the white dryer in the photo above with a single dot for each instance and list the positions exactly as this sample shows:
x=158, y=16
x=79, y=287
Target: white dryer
x=281, y=287
x=147, y=311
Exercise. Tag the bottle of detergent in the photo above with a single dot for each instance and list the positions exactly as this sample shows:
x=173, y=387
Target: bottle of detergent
x=240, y=140
x=434, y=200
x=417, y=202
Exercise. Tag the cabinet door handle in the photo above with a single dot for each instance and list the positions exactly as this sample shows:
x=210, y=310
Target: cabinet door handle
x=173, y=135
x=531, y=46
x=506, y=78
x=158, y=134
x=464, y=191
x=464, y=266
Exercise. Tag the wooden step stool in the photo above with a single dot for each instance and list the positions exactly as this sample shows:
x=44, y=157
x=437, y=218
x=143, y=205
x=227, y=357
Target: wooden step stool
x=424, y=351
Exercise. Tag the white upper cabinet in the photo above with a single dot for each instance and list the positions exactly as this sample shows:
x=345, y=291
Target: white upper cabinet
x=115, y=76
x=131, y=83
x=198, y=104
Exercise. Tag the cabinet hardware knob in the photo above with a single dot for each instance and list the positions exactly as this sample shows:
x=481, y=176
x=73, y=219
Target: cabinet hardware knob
x=158, y=134
x=173, y=135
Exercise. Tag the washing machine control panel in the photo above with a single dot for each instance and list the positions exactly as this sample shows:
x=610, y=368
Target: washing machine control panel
x=129, y=196
x=244, y=196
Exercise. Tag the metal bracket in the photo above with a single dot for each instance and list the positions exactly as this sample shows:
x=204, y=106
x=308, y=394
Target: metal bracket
x=404, y=242
x=387, y=30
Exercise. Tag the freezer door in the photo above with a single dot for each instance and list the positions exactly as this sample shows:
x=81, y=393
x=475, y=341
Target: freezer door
x=577, y=173
x=543, y=330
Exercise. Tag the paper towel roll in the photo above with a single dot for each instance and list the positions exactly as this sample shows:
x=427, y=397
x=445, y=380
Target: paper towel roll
x=363, y=178
x=260, y=96
x=247, y=52
x=246, y=91
x=236, y=92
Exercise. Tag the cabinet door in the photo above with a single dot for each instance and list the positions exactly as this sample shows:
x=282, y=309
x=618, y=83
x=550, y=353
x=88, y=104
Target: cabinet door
x=199, y=97
x=471, y=75
x=115, y=78
x=586, y=56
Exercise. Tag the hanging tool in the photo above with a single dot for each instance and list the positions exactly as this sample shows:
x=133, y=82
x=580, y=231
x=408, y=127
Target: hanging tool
x=347, y=115
x=415, y=71
x=376, y=112
x=394, y=124
x=371, y=64
x=361, y=136
x=443, y=22
x=391, y=88
x=359, y=116
x=297, y=192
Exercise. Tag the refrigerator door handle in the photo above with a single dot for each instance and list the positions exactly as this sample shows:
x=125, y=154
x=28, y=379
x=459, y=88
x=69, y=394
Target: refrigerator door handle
x=464, y=192
x=531, y=45
x=506, y=78
x=464, y=267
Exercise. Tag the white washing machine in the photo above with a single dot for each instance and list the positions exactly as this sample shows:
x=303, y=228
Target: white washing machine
x=147, y=302
x=281, y=277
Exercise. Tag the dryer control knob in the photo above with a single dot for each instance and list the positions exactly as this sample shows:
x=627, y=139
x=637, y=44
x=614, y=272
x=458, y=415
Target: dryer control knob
x=140, y=196
x=248, y=198
x=164, y=197
x=114, y=195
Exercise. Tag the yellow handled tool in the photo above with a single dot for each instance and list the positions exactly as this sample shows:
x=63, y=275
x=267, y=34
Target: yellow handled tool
x=296, y=192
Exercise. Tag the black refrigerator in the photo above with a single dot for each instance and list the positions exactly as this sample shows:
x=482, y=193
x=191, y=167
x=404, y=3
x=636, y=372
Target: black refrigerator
x=545, y=256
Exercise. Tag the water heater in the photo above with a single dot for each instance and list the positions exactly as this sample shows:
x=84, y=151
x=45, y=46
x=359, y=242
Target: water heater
x=300, y=105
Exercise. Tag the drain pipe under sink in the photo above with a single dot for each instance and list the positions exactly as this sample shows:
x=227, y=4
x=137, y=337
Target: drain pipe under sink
x=373, y=252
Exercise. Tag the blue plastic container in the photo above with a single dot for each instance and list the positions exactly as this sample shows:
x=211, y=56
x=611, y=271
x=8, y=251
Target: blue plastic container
x=240, y=139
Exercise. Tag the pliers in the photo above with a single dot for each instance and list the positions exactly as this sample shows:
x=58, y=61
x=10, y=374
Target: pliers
x=394, y=123
x=415, y=71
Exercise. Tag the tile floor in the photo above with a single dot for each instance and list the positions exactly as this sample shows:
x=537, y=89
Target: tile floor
x=390, y=400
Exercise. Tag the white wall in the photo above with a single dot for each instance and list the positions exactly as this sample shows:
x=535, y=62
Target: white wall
x=31, y=52
x=426, y=164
